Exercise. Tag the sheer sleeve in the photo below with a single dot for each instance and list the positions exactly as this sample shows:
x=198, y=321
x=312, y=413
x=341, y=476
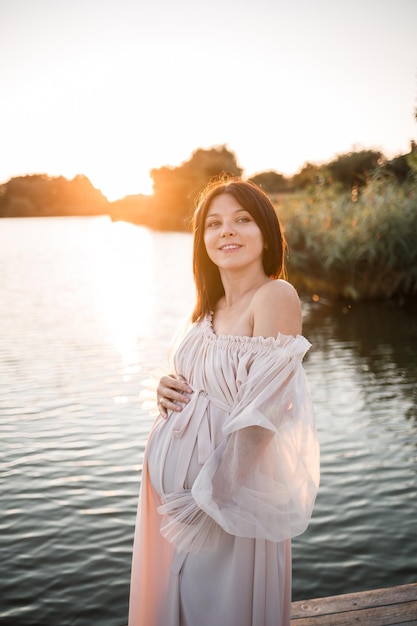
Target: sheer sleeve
x=261, y=482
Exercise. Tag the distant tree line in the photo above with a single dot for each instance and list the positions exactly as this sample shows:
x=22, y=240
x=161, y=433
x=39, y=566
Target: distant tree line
x=176, y=187
x=39, y=195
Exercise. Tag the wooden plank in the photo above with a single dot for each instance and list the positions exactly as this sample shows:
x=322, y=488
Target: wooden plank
x=353, y=601
x=380, y=607
x=376, y=616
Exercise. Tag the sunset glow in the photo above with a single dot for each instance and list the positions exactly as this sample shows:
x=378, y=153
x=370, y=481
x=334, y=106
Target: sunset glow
x=112, y=90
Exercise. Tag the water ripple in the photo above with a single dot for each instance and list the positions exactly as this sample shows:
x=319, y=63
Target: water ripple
x=90, y=312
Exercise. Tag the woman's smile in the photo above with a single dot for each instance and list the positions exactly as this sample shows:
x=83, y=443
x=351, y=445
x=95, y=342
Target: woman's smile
x=230, y=247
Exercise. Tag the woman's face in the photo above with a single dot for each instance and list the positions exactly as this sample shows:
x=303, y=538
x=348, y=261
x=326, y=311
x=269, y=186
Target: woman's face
x=232, y=238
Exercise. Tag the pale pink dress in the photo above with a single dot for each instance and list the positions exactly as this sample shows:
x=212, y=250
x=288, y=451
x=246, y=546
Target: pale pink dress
x=226, y=483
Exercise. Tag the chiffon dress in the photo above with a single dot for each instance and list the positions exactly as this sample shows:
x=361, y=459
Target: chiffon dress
x=227, y=482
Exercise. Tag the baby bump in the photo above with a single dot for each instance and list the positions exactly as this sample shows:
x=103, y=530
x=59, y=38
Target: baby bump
x=181, y=444
x=167, y=454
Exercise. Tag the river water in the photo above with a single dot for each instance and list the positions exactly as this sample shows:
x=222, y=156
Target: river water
x=87, y=309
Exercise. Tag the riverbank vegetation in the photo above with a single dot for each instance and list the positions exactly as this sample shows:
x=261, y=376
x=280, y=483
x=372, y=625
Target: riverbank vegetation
x=351, y=223
x=359, y=247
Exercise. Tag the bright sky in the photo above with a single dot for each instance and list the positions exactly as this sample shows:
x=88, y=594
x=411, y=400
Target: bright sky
x=113, y=88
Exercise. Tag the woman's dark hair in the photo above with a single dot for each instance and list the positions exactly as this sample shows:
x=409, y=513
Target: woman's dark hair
x=255, y=201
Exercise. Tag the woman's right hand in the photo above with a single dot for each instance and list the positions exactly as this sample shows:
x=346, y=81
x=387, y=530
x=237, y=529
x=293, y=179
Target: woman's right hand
x=172, y=392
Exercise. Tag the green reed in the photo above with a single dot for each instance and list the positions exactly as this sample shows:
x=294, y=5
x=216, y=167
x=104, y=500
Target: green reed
x=355, y=246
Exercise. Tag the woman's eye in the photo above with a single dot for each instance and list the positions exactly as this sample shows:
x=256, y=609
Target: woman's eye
x=212, y=224
x=243, y=219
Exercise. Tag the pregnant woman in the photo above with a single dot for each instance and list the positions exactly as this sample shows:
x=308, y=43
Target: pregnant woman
x=231, y=467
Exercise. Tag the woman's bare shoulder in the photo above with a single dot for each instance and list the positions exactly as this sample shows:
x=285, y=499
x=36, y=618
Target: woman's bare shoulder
x=276, y=309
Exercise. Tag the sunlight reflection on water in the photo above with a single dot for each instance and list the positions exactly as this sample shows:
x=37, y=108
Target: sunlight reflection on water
x=122, y=282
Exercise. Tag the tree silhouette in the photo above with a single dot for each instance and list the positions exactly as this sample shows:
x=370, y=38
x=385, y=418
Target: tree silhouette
x=271, y=182
x=175, y=188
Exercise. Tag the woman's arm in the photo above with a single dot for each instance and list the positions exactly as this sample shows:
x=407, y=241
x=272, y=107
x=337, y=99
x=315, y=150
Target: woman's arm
x=275, y=309
x=263, y=479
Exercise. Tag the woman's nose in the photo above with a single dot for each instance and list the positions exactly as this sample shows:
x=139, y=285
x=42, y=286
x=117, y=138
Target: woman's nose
x=227, y=229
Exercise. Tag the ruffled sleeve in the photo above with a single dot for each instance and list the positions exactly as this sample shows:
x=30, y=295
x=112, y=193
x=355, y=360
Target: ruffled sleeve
x=262, y=481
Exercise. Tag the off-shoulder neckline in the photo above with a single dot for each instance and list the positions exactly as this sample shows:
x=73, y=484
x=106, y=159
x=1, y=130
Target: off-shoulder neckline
x=258, y=339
